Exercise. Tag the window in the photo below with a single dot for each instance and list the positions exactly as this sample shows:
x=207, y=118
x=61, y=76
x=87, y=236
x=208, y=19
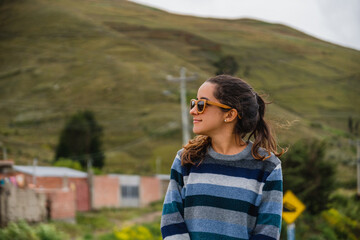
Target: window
x=130, y=191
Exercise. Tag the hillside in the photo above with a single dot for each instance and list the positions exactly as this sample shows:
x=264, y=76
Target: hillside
x=112, y=57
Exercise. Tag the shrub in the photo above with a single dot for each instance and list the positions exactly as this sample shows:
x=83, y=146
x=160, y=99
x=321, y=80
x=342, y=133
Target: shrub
x=64, y=162
x=18, y=231
x=309, y=175
x=135, y=233
x=49, y=232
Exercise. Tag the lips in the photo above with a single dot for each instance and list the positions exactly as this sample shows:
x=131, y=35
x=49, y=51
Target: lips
x=196, y=120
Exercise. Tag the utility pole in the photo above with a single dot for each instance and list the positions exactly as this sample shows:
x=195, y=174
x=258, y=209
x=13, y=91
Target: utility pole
x=35, y=161
x=158, y=165
x=4, y=151
x=90, y=178
x=184, y=111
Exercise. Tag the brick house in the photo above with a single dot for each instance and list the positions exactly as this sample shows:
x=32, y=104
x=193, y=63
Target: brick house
x=66, y=190
x=138, y=191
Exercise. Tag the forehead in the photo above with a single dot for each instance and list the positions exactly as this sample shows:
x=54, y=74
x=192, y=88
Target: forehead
x=206, y=90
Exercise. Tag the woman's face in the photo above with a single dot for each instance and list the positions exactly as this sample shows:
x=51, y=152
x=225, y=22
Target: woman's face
x=211, y=121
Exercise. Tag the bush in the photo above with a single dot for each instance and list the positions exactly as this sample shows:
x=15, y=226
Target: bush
x=345, y=227
x=49, y=232
x=226, y=65
x=135, y=233
x=18, y=231
x=309, y=175
x=22, y=231
x=64, y=162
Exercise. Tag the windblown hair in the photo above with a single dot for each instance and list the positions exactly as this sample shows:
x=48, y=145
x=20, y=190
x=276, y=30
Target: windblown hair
x=239, y=95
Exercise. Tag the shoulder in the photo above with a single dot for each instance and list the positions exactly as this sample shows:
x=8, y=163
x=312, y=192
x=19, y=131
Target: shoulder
x=179, y=153
x=177, y=161
x=272, y=162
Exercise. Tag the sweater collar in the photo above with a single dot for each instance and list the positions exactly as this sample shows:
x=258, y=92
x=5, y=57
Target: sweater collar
x=238, y=156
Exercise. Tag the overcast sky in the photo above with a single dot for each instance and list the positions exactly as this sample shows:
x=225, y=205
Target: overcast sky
x=336, y=21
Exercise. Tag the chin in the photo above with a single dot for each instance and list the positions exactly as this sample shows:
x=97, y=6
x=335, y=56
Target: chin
x=198, y=131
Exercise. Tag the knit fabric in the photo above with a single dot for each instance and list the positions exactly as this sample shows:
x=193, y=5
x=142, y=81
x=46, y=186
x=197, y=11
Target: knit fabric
x=227, y=197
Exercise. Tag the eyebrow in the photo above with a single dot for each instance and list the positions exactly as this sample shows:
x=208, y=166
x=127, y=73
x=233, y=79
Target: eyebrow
x=202, y=98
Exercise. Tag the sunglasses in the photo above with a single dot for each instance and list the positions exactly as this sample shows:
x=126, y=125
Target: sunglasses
x=201, y=105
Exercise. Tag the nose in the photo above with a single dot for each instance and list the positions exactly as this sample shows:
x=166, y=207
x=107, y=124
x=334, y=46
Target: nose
x=193, y=111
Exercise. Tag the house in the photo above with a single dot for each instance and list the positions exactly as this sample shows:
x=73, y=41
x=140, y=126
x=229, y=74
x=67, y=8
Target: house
x=16, y=201
x=67, y=190
x=58, y=183
x=138, y=191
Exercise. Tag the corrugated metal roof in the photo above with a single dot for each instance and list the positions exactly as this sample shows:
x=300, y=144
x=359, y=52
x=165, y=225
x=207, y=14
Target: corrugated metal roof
x=42, y=171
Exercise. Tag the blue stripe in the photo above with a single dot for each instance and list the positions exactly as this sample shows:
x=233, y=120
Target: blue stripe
x=172, y=196
x=173, y=207
x=275, y=175
x=224, y=203
x=212, y=236
x=273, y=185
x=177, y=164
x=271, y=207
x=212, y=226
x=222, y=191
x=255, y=174
x=173, y=229
x=262, y=237
x=269, y=219
x=175, y=175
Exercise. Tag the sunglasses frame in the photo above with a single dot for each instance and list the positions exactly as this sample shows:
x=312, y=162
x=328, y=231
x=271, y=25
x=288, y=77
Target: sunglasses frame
x=207, y=102
x=210, y=103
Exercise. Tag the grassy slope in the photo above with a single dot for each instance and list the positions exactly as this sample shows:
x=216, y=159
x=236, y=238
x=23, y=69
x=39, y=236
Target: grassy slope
x=112, y=57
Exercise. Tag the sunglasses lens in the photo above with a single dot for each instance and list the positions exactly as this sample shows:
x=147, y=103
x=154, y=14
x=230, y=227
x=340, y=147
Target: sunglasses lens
x=192, y=104
x=200, y=106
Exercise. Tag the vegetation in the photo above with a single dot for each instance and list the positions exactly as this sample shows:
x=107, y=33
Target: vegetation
x=226, y=65
x=308, y=174
x=22, y=231
x=80, y=140
x=63, y=162
x=112, y=57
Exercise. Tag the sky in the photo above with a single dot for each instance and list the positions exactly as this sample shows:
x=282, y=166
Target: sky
x=336, y=21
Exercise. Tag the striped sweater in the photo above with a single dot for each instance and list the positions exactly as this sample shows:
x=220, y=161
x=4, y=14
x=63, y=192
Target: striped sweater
x=227, y=197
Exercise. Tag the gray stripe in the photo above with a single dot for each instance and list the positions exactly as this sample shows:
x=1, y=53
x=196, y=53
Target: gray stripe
x=173, y=186
x=184, y=236
x=173, y=218
x=268, y=230
x=227, y=181
x=234, y=157
x=272, y=196
x=222, y=215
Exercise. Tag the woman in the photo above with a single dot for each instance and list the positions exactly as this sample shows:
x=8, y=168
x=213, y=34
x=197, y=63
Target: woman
x=223, y=187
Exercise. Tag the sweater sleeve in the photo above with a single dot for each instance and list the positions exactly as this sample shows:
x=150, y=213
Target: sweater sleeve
x=173, y=226
x=268, y=223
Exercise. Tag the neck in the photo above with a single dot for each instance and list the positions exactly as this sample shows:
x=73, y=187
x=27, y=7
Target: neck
x=228, y=145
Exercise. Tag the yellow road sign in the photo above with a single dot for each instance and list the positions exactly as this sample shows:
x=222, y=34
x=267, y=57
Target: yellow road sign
x=292, y=207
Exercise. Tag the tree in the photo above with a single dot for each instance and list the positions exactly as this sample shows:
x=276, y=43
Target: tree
x=308, y=174
x=226, y=65
x=80, y=140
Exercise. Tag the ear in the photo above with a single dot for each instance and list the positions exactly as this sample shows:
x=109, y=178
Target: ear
x=231, y=115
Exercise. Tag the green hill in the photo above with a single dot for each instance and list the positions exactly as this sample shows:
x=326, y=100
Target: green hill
x=112, y=57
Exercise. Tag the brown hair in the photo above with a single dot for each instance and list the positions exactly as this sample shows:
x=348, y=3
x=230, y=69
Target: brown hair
x=239, y=95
